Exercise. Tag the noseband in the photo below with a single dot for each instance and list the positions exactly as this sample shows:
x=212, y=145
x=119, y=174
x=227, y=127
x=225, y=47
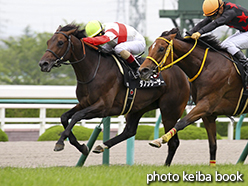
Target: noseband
x=160, y=65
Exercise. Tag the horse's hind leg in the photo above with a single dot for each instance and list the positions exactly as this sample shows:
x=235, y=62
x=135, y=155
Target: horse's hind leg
x=199, y=111
x=210, y=125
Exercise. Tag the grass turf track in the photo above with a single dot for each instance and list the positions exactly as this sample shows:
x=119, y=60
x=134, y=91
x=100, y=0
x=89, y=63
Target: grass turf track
x=115, y=175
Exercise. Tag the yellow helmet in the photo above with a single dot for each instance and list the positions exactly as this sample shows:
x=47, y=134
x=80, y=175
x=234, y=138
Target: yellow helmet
x=93, y=28
x=210, y=7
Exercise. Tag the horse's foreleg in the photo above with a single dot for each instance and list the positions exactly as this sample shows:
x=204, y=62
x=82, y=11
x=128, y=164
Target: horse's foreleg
x=86, y=113
x=169, y=122
x=210, y=125
x=172, y=147
x=72, y=139
x=130, y=129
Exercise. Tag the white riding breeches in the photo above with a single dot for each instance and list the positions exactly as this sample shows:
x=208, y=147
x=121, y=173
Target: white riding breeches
x=136, y=46
x=236, y=42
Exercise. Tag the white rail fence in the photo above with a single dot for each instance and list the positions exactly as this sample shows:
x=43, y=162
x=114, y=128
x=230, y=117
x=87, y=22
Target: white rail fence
x=64, y=92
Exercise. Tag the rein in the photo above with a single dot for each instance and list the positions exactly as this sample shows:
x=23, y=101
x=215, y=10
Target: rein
x=202, y=65
x=60, y=61
x=169, y=50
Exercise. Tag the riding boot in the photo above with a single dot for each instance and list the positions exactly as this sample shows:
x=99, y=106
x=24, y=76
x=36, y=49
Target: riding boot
x=131, y=62
x=134, y=66
x=244, y=61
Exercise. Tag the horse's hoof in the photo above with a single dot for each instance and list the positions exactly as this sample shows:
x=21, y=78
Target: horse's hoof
x=59, y=147
x=84, y=149
x=155, y=143
x=98, y=149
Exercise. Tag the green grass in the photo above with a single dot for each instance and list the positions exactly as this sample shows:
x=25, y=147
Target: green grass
x=115, y=175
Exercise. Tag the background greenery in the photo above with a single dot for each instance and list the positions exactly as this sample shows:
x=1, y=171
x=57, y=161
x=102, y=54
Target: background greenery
x=80, y=132
x=19, y=58
x=3, y=136
x=144, y=132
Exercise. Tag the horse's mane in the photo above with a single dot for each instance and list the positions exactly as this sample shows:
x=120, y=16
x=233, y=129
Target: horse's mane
x=79, y=33
x=209, y=39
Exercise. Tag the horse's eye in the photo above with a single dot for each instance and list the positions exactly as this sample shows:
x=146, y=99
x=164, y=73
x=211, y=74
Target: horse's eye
x=60, y=43
x=161, y=49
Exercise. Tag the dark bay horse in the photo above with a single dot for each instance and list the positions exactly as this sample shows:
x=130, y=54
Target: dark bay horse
x=216, y=85
x=101, y=91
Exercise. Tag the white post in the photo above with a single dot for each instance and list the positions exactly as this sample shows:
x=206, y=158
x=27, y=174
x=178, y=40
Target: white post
x=230, y=130
x=198, y=123
x=83, y=122
x=157, y=114
x=189, y=108
x=2, y=115
x=43, y=121
x=121, y=124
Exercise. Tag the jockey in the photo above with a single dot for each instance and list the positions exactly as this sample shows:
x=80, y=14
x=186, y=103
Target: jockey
x=225, y=13
x=121, y=38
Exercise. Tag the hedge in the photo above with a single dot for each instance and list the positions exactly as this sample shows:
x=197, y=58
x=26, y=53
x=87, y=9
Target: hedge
x=244, y=132
x=144, y=132
x=193, y=132
x=31, y=113
x=54, y=133
x=189, y=133
x=3, y=136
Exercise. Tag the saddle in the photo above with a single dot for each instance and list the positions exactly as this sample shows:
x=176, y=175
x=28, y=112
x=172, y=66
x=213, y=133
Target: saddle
x=133, y=83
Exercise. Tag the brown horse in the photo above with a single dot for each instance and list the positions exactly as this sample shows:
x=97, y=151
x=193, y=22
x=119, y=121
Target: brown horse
x=101, y=91
x=216, y=85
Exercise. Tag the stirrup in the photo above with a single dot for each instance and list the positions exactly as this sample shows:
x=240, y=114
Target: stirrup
x=133, y=74
x=246, y=73
x=246, y=80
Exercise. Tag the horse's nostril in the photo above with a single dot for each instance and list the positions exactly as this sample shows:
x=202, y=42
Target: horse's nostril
x=43, y=63
x=144, y=70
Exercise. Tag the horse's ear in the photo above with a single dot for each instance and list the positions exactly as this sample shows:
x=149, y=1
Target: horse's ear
x=71, y=31
x=59, y=28
x=172, y=36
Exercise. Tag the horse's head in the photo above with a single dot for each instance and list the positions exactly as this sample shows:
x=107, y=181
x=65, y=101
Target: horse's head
x=160, y=55
x=58, y=49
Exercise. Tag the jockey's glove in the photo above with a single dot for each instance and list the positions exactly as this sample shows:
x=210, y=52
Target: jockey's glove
x=195, y=35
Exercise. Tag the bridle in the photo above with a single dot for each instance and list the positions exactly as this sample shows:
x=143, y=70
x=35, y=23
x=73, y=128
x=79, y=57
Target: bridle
x=160, y=65
x=169, y=50
x=60, y=61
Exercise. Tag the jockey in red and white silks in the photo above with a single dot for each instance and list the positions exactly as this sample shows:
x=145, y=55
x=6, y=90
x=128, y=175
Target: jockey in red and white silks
x=119, y=37
x=122, y=38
